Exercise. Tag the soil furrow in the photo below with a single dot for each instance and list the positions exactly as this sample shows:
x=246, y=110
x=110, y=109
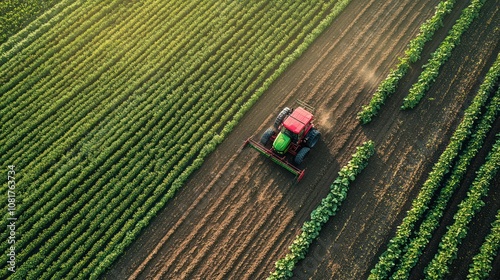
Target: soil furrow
x=230, y=226
x=178, y=222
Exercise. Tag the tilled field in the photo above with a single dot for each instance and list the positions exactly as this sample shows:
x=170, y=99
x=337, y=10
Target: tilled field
x=239, y=213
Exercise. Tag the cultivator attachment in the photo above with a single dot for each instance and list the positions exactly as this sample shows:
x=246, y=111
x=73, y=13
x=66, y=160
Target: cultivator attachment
x=278, y=160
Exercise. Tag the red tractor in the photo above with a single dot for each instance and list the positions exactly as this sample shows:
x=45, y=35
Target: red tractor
x=292, y=137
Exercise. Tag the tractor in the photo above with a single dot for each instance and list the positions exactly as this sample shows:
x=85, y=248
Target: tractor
x=290, y=139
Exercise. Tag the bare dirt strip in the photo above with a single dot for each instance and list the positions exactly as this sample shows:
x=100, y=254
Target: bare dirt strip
x=239, y=213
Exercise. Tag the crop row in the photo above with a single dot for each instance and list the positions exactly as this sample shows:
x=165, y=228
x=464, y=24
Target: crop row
x=198, y=161
x=35, y=28
x=327, y=208
x=482, y=262
x=141, y=104
x=103, y=57
x=62, y=171
x=32, y=57
x=388, y=86
x=132, y=62
x=137, y=103
x=141, y=92
x=450, y=157
x=438, y=268
x=441, y=55
x=60, y=73
x=432, y=220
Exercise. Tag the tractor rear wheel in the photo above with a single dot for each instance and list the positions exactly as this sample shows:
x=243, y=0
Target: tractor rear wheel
x=281, y=117
x=299, y=158
x=266, y=136
x=312, y=137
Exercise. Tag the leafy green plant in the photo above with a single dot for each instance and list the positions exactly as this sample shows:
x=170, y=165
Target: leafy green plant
x=482, y=263
x=438, y=268
x=15, y=14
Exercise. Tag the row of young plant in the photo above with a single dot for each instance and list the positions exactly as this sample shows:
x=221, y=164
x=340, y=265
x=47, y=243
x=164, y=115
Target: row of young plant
x=46, y=116
x=474, y=122
x=327, y=208
x=129, y=197
x=432, y=220
x=65, y=43
x=87, y=99
x=482, y=263
x=441, y=55
x=167, y=108
x=439, y=267
x=95, y=57
x=431, y=69
x=89, y=186
x=198, y=161
x=412, y=54
x=123, y=202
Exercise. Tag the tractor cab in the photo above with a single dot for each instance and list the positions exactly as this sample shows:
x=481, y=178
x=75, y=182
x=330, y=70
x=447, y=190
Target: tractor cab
x=298, y=123
x=292, y=130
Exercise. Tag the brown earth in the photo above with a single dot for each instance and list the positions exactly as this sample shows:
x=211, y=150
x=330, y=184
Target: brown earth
x=239, y=213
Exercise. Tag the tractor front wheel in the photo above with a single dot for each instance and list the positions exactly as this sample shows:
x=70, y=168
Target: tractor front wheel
x=299, y=158
x=266, y=136
x=281, y=117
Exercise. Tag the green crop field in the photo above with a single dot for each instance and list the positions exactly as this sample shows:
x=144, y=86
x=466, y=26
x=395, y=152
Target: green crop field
x=108, y=106
x=16, y=14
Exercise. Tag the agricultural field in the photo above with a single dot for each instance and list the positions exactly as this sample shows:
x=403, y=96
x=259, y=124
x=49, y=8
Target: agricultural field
x=242, y=211
x=123, y=124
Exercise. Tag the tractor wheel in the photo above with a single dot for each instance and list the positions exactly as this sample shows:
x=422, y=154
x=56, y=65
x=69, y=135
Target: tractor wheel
x=299, y=158
x=312, y=137
x=281, y=117
x=266, y=136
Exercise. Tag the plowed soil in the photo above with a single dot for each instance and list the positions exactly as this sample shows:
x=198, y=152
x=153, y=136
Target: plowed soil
x=239, y=213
